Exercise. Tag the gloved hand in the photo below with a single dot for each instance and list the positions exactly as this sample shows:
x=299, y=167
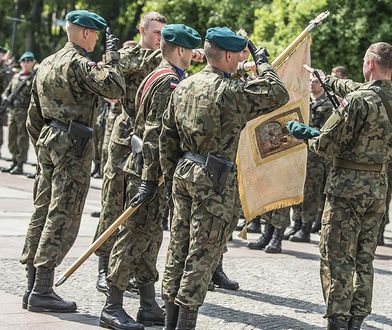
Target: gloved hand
x=261, y=56
x=301, y=131
x=112, y=42
x=146, y=193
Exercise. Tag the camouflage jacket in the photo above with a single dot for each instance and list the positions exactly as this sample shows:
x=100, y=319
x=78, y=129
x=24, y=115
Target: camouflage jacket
x=66, y=86
x=21, y=101
x=320, y=110
x=151, y=103
x=6, y=75
x=359, y=132
x=136, y=63
x=207, y=112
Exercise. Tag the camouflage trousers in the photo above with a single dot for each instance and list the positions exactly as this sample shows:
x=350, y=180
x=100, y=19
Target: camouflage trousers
x=106, y=139
x=279, y=218
x=201, y=225
x=348, y=241
x=60, y=191
x=98, y=135
x=18, y=138
x=112, y=195
x=311, y=209
x=137, y=244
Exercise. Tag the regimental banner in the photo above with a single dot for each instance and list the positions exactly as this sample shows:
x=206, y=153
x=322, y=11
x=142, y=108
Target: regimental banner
x=271, y=163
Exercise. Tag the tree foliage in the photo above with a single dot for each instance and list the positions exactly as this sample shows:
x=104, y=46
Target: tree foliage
x=341, y=40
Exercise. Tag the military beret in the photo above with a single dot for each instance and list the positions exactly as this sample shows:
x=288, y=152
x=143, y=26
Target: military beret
x=86, y=19
x=181, y=35
x=26, y=55
x=3, y=50
x=226, y=39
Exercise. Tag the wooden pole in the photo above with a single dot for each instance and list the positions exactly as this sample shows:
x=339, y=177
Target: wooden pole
x=100, y=240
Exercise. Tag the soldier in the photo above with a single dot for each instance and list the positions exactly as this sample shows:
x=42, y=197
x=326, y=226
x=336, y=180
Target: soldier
x=19, y=91
x=136, y=63
x=60, y=115
x=317, y=168
x=271, y=239
x=359, y=139
x=340, y=72
x=201, y=129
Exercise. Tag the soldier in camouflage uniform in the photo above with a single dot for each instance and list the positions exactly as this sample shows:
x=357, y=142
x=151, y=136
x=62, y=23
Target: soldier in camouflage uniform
x=136, y=248
x=18, y=139
x=204, y=118
x=271, y=239
x=5, y=77
x=317, y=169
x=359, y=138
x=60, y=115
x=136, y=63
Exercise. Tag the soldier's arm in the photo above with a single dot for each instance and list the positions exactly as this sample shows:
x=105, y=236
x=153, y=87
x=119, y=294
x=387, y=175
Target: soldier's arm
x=261, y=95
x=342, y=87
x=169, y=141
x=153, y=127
x=132, y=61
x=340, y=128
x=105, y=80
x=8, y=90
x=35, y=120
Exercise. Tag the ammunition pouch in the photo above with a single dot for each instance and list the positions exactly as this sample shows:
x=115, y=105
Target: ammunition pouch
x=218, y=168
x=79, y=134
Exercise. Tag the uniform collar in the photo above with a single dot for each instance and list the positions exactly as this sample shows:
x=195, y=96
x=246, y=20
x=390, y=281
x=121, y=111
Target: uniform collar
x=81, y=50
x=180, y=72
x=380, y=83
x=210, y=68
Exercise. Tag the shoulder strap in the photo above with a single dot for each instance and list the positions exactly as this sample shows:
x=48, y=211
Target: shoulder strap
x=384, y=100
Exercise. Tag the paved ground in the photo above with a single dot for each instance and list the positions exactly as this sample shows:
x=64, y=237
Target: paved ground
x=277, y=291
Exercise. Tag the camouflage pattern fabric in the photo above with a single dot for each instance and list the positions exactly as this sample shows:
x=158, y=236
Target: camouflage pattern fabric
x=136, y=63
x=202, y=219
x=359, y=132
x=279, y=218
x=5, y=77
x=115, y=110
x=63, y=177
x=18, y=139
x=136, y=249
x=99, y=129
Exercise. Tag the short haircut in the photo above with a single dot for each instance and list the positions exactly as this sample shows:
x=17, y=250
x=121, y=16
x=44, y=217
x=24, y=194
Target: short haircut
x=167, y=47
x=342, y=69
x=152, y=16
x=381, y=52
x=212, y=51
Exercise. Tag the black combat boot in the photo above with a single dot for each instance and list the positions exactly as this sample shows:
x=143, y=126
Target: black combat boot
x=316, y=226
x=95, y=214
x=293, y=230
x=254, y=226
x=96, y=169
x=211, y=286
x=302, y=235
x=264, y=239
x=18, y=169
x=43, y=298
x=132, y=286
x=275, y=245
x=355, y=323
x=171, y=316
x=101, y=284
x=9, y=169
x=30, y=274
x=113, y=316
x=149, y=311
x=220, y=279
x=336, y=324
x=186, y=319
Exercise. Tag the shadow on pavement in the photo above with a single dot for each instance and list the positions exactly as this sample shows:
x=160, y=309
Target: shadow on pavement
x=380, y=319
x=297, y=304
x=81, y=318
x=300, y=254
x=382, y=271
x=256, y=321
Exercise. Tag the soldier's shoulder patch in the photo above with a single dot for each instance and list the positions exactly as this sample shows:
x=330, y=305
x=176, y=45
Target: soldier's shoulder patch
x=173, y=84
x=344, y=102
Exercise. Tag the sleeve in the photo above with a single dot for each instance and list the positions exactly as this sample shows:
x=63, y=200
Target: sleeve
x=169, y=141
x=105, y=80
x=340, y=129
x=260, y=95
x=342, y=87
x=8, y=90
x=151, y=168
x=35, y=120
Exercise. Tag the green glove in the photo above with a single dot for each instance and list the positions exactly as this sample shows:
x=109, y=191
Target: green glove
x=301, y=131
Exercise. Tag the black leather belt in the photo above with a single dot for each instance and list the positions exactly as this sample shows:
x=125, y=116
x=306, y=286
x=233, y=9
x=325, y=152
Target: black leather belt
x=194, y=157
x=58, y=124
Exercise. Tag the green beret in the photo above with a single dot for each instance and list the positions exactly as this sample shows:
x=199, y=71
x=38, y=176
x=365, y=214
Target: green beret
x=226, y=39
x=181, y=35
x=86, y=19
x=26, y=55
